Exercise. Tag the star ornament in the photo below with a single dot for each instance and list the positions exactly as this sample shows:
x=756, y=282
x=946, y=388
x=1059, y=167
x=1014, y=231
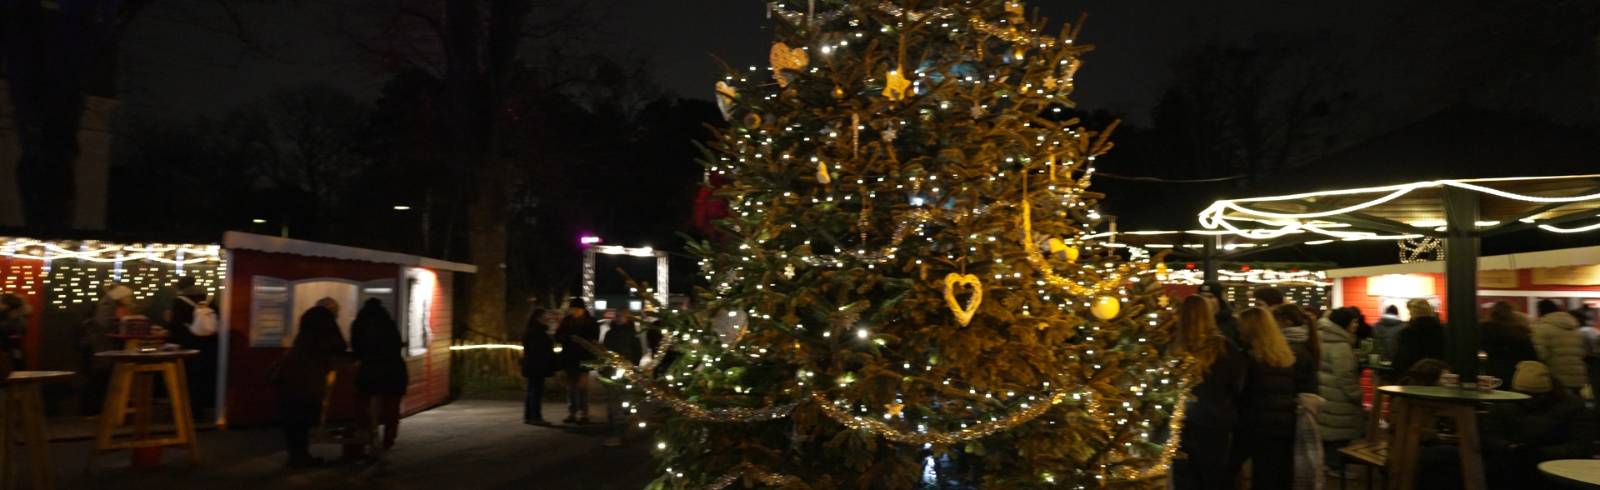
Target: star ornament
x=894, y=88
x=894, y=409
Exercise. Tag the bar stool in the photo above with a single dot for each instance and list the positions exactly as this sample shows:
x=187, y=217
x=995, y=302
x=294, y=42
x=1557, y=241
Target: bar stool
x=22, y=410
x=132, y=378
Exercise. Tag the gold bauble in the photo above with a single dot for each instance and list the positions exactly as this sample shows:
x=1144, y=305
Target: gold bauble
x=1106, y=307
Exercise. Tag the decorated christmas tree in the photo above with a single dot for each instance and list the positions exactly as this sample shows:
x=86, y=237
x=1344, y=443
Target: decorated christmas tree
x=908, y=291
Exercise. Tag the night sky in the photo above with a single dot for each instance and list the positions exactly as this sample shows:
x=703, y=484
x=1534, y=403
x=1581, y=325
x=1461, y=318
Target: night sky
x=181, y=57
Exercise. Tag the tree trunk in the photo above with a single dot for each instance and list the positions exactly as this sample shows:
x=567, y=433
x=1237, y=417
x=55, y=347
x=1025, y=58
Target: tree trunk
x=487, y=240
x=44, y=53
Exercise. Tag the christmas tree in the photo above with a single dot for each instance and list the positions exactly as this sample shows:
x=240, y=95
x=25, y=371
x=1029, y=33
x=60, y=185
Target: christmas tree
x=908, y=291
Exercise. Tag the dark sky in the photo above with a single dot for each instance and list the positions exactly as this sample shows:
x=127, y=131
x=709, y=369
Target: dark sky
x=178, y=61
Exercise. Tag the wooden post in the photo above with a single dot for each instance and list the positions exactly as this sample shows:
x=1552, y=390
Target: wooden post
x=1461, y=281
x=1208, y=261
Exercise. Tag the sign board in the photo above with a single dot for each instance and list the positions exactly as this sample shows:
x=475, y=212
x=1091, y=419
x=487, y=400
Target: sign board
x=1578, y=275
x=1498, y=279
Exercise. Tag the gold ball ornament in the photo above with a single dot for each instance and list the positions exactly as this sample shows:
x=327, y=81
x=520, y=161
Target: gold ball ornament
x=1106, y=307
x=895, y=86
x=783, y=58
x=963, y=313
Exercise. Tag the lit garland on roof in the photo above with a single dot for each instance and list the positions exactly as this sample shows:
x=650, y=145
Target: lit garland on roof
x=76, y=272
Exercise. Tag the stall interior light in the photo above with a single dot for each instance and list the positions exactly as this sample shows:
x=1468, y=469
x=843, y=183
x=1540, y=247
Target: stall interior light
x=259, y=221
x=620, y=250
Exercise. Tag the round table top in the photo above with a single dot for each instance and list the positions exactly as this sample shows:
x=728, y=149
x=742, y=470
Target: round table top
x=1585, y=472
x=160, y=355
x=1453, y=394
x=19, y=377
x=149, y=336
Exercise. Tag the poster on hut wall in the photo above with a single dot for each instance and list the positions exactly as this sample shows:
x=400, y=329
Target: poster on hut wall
x=269, y=311
x=1578, y=275
x=1498, y=279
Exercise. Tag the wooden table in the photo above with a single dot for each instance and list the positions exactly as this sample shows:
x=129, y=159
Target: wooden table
x=1416, y=406
x=22, y=409
x=1578, y=473
x=128, y=383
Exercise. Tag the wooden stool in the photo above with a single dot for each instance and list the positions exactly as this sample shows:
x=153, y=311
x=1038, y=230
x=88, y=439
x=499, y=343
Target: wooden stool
x=22, y=409
x=130, y=379
x=1416, y=406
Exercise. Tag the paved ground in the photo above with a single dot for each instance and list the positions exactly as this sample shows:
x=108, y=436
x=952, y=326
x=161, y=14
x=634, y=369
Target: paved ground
x=466, y=444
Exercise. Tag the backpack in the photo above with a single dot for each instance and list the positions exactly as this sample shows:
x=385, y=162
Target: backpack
x=205, y=319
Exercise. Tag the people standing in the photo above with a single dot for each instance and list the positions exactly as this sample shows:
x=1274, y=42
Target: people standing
x=1559, y=345
x=538, y=362
x=1506, y=339
x=1421, y=338
x=577, y=325
x=1212, y=408
x=1342, y=418
x=301, y=378
x=381, y=379
x=623, y=339
x=92, y=338
x=1277, y=373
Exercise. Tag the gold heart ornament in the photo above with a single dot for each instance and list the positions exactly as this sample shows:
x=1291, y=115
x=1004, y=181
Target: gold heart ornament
x=963, y=314
x=783, y=58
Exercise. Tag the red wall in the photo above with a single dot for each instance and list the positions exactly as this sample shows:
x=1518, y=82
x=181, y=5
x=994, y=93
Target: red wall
x=25, y=278
x=251, y=398
x=1355, y=291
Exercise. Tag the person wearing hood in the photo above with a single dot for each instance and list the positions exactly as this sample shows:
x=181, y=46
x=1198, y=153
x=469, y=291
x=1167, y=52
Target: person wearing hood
x=1342, y=418
x=1206, y=441
x=1506, y=339
x=1226, y=323
x=577, y=325
x=1560, y=345
x=1386, y=333
x=382, y=379
x=301, y=378
x=621, y=338
x=1421, y=338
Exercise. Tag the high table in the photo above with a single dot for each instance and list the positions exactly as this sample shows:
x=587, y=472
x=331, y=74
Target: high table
x=1415, y=406
x=21, y=408
x=127, y=381
x=1578, y=473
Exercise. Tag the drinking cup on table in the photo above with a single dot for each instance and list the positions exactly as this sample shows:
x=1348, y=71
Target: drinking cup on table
x=1488, y=383
x=1450, y=380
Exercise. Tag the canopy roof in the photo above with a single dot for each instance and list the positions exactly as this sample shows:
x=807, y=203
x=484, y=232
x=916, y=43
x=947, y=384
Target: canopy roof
x=1563, y=204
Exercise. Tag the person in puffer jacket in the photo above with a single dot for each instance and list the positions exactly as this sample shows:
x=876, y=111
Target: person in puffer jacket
x=1338, y=380
x=1279, y=370
x=1560, y=345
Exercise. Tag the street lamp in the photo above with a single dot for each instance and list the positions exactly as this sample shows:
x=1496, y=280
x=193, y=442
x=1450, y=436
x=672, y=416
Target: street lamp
x=402, y=207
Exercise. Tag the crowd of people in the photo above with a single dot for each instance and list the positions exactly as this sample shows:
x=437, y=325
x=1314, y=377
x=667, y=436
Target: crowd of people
x=1295, y=374
x=562, y=353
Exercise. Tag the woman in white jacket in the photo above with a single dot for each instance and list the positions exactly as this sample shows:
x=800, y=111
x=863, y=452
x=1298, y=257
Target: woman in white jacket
x=1342, y=417
x=1560, y=345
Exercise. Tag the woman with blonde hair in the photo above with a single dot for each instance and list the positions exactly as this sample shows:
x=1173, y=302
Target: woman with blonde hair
x=1212, y=409
x=1277, y=374
x=1422, y=337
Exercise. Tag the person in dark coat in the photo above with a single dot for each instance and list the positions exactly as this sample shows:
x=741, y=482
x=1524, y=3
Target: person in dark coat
x=1226, y=323
x=1506, y=339
x=381, y=380
x=1212, y=408
x=302, y=378
x=14, y=313
x=578, y=324
x=1421, y=338
x=1278, y=372
x=622, y=338
x=202, y=369
x=1518, y=436
x=538, y=363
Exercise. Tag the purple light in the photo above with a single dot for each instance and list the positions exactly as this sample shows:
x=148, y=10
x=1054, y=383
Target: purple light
x=588, y=239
